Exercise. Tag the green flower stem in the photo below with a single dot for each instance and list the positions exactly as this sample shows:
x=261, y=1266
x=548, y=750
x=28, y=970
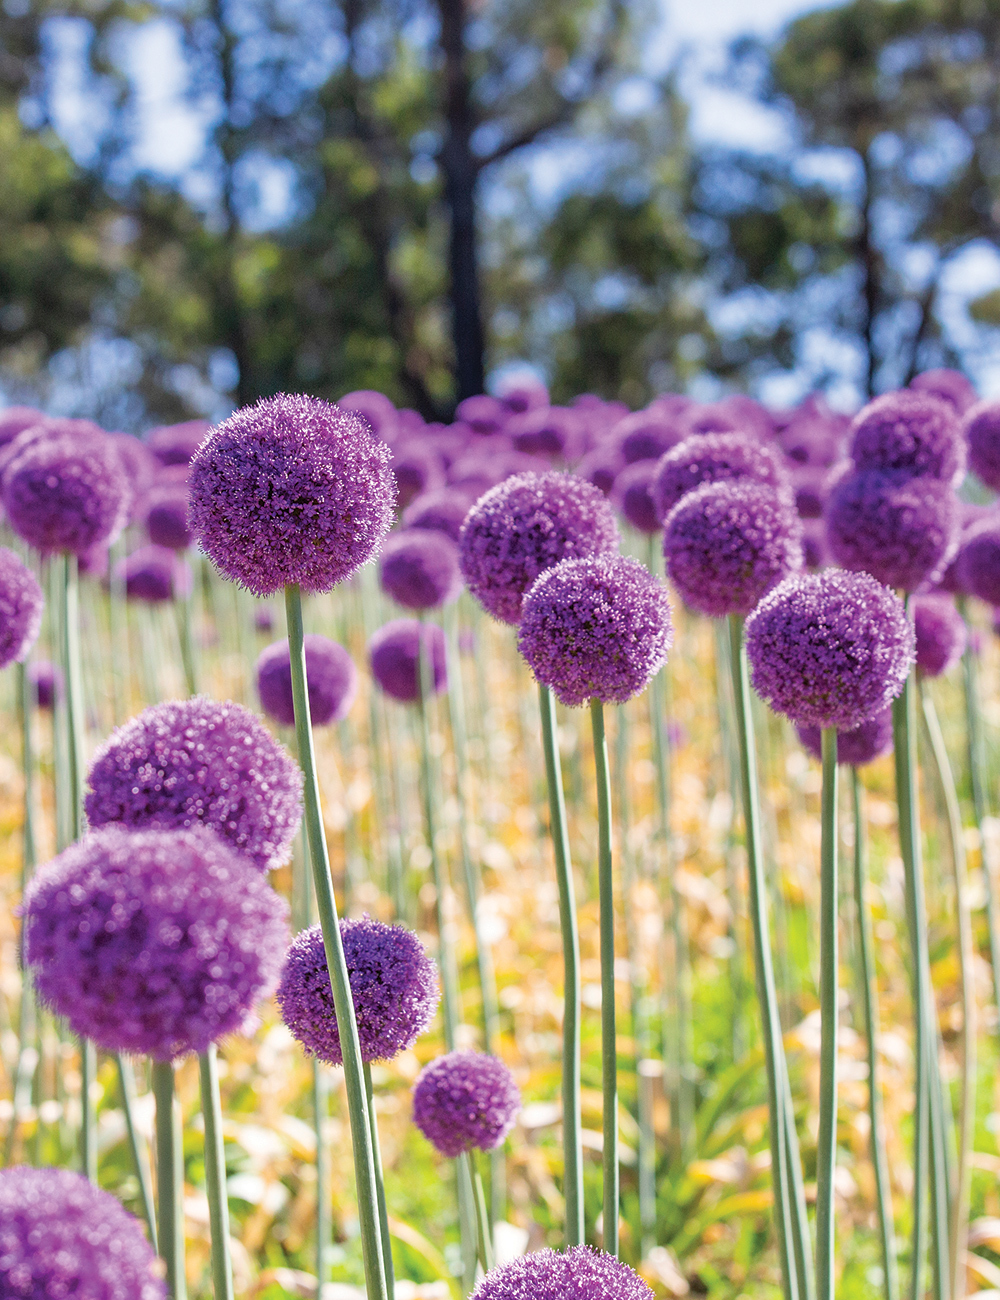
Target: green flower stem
x=185, y=630
x=169, y=1179
x=483, y=1231
x=826, y=1152
x=364, y=1162
x=215, y=1175
x=572, y=1121
x=869, y=990
x=137, y=1144
x=321, y=1111
x=390, y=1275
x=731, y=775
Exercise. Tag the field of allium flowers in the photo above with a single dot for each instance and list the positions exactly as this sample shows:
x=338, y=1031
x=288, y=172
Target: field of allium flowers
x=141, y=573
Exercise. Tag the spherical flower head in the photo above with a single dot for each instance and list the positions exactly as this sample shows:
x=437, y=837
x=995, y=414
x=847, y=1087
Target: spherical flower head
x=979, y=560
x=862, y=744
x=525, y=526
x=646, y=435
x=829, y=649
x=331, y=677
x=140, y=466
x=21, y=605
x=155, y=942
x=394, y=985
x=292, y=490
x=483, y=468
x=60, y=1236
x=154, y=574
x=579, y=1273
x=482, y=413
x=632, y=496
x=602, y=465
x=15, y=419
x=982, y=434
x=523, y=394
x=394, y=657
x=47, y=679
x=442, y=511
x=465, y=1100
x=194, y=761
x=554, y=431
x=375, y=409
x=167, y=515
x=912, y=431
x=419, y=569
x=814, y=439
x=949, y=385
x=941, y=634
x=713, y=458
x=596, y=629
x=176, y=444
x=901, y=530
x=416, y=468
x=728, y=543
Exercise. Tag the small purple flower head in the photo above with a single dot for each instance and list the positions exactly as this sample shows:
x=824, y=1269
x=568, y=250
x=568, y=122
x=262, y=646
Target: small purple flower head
x=979, y=560
x=523, y=393
x=61, y=1236
x=713, y=458
x=393, y=982
x=394, y=656
x=813, y=438
x=21, y=605
x=632, y=496
x=156, y=942
x=154, y=574
x=375, y=409
x=862, y=744
x=941, y=634
x=646, y=435
x=443, y=511
x=811, y=485
x=596, y=628
x=728, y=543
x=167, y=515
x=330, y=672
x=982, y=433
x=465, y=1100
x=912, y=431
x=194, y=761
x=140, y=466
x=416, y=468
x=525, y=526
x=949, y=385
x=829, y=649
x=419, y=569
x=47, y=679
x=602, y=465
x=263, y=618
x=902, y=530
x=483, y=414
x=176, y=444
x=555, y=431
x=292, y=490
x=580, y=1273
x=485, y=467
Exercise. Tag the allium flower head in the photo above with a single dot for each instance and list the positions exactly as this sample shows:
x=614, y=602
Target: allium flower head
x=714, y=458
x=548, y=431
x=646, y=435
x=578, y=1274
x=176, y=444
x=912, y=431
x=982, y=433
x=419, y=569
x=47, y=679
x=154, y=574
x=416, y=468
x=393, y=982
x=443, y=511
x=21, y=605
x=633, y=497
x=862, y=744
x=375, y=409
x=166, y=508
x=330, y=674
x=15, y=419
x=829, y=649
x=602, y=465
x=155, y=942
x=950, y=385
x=292, y=490
x=140, y=466
x=394, y=657
x=979, y=560
x=465, y=1100
x=60, y=1236
x=482, y=413
x=941, y=634
x=727, y=543
x=596, y=628
x=525, y=526
x=194, y=761
x=524, y=393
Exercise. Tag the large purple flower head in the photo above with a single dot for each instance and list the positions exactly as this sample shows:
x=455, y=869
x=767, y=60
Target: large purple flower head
x=862, y=744
x=596, y=628
x=166, y=506
x=979, y=560
x=176, y=444
x=714, y=458
x=194, y=761
x=912, y=431
x=525, y=526
x=578, y=1274
x=646, y=435
x=419, y=569
x=727, y=543
x=950, y=385
x=465, y=1100
x=330, y=672
x=156, y=942
x=632, y=495
x=154, y=574
x=902, y=530
x=416, y=468
x=47, y=679
x=443, y=511
x=375, y=409
x=292, y=490
x=941, y=634
x=982, y=434
x=555, y=431
x=394, y=656
x=393, y=982
x=829, y=649
x=21, y=605
x=60, y=1236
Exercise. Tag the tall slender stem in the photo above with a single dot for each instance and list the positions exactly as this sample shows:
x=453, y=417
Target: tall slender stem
x=169, y=1179
x=215, y=1174
x=321, y=1111
x=483, y=1235
x=364, y=1162
x=137, y=1144
x=826, y=1151
x=390, y=1274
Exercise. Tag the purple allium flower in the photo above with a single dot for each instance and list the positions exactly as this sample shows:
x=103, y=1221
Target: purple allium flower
x=47, y=679
x=393, y=982
x=15, y=419
x=862, y=744
x=482, y=413
x=190, y=761
x=912, y=431
x=60, y=1236
x=481, y=469
x=831, y=649
x=330, y=672
x=157, y=942
x=375, y=409
x=941, y=634
x=176, y=444
x=550, y=431
x=292, y=490
x=713, y=458
x=140, y=466
x=902, y=530
x=416, y=468
x=811, y=485
x=982, y=433
x=950, y=385
x=443, y=511
x=167, y=515
x=523, y=527
x=728, y=543
x=263, y=618
x=394, y=657
x=580, y=1273
x=632, y=496
x=465, y=1100
x=418, y=568
x=646, y=435
x=596, y=628
x=814, y=440
x=523, y=393
x=814, y=548
x=154, y=574
x=979, y=560
x=21, y=605
x=602, y=465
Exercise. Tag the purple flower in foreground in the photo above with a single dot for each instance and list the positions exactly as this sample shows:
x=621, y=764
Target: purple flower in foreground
x=941, y=634
x=47, y=679
x=950, y=385
x=21, y=605
x=156, y=942
x=60, y=1236
x=578, y=1274
x=419, y=569
x=393, y=982
x=154, y=574
x=979, y=560
x=982, y=433
x=465, y=1100
x=857, y=746
x=910, y=431
x=330, y=672
x=394, y=656
x=714, y=458
x=831, y=649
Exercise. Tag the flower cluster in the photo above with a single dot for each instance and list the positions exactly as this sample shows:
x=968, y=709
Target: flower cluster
x=465, y=1100
x=580, y=1273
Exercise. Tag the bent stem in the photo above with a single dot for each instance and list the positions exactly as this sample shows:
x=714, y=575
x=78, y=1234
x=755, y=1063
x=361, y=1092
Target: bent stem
x=826, y=1151
x=215, y=1174
x=169, y=1178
